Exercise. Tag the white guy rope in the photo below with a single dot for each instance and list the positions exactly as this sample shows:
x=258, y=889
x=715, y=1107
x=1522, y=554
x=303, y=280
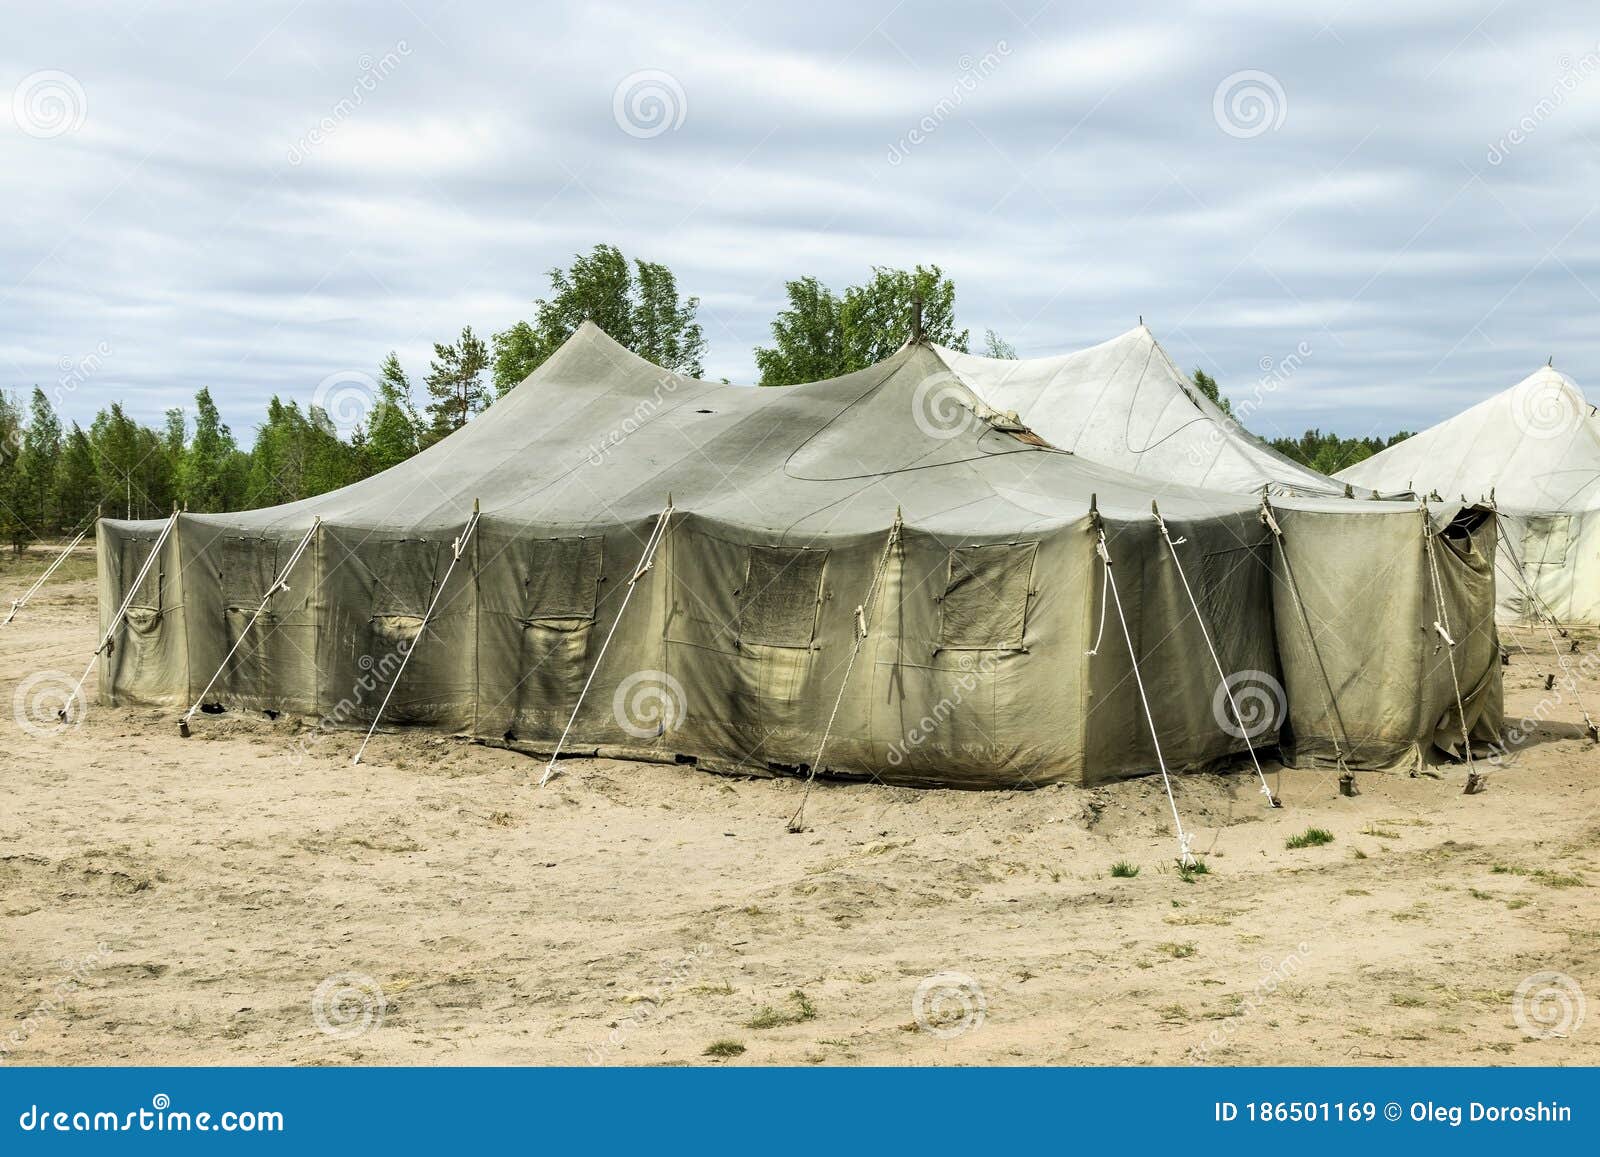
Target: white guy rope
x=458, y=549
x=1545, y=619
x=646, y=561
x=127, y=601
x=1347, y=777
x=18, y=604
x=281, y=584
x=1227, y=688
x=1185, y=856
x=797, y=821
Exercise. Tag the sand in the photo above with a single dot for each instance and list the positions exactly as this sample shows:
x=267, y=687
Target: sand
x=209, y=901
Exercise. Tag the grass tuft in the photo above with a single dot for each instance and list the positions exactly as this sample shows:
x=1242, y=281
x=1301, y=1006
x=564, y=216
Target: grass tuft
x=768, y=1017
x=1310, y=838
x=724, y=1048
x=1122, y=870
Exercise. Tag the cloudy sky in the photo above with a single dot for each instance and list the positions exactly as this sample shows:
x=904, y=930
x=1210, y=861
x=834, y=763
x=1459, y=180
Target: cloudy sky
x=254, y=196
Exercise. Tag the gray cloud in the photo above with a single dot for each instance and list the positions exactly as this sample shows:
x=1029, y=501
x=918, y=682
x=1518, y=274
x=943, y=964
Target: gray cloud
x=260, y=195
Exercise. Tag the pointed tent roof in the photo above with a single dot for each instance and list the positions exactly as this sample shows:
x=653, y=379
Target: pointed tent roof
x=598, y=435
x=1126, y=404
x=1536, y=445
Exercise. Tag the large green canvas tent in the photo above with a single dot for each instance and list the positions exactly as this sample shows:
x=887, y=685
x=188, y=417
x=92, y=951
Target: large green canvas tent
x=1535, y=450
x=892, y=500
x=1359, y=583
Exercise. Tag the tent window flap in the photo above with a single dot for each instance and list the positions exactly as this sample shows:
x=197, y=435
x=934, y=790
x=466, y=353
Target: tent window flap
x=404, y=577
x=1544, y=543
x=780, y=596
x=985, y=602
x=134, y=553
x=563, y=577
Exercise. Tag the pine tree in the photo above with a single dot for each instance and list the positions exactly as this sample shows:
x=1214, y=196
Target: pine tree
x=77, y=487
x=455, y=382
x=208, y=478
x=38, y=463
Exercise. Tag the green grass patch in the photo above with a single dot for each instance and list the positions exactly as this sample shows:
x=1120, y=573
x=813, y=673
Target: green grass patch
x=801, y=1009
x=1310, y=838
x=724, y=1048
x=1122, y=870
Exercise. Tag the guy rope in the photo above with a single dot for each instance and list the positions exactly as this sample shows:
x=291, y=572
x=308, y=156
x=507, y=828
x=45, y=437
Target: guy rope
x=106, y=642
x=1227, y=688
x=646, y=561
x=458, y=548
x=66, y=551
x=279, y=586
x=1185, y=855
x=1347, y=779
x=861, y=626
x=1545, y=618
x=1441, y=625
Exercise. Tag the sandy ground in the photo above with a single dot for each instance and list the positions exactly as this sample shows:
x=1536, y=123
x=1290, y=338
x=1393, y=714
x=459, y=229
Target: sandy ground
x=208, y=902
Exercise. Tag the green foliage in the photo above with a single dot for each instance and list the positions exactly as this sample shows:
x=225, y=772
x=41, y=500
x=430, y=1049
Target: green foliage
x=636, y=305
x=1122, y=870
x=1329, y=453
x=995, y=346
x=392, y=429
x=455, y=382
x=211, y=470
x=298, y=455
x=1207, y=385
x=37, y=465
x=821, y=335
x=1310, y=838
x=12, y=524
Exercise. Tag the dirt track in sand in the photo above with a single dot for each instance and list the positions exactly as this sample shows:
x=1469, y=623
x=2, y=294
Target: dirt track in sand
x=171, y=901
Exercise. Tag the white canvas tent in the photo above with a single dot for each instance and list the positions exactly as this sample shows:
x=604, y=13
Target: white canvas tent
x=1535, y=451
x=1125, y=403
x=1354, y=579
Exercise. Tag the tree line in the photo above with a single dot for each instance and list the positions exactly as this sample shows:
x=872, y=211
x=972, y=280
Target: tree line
x=54, y=480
